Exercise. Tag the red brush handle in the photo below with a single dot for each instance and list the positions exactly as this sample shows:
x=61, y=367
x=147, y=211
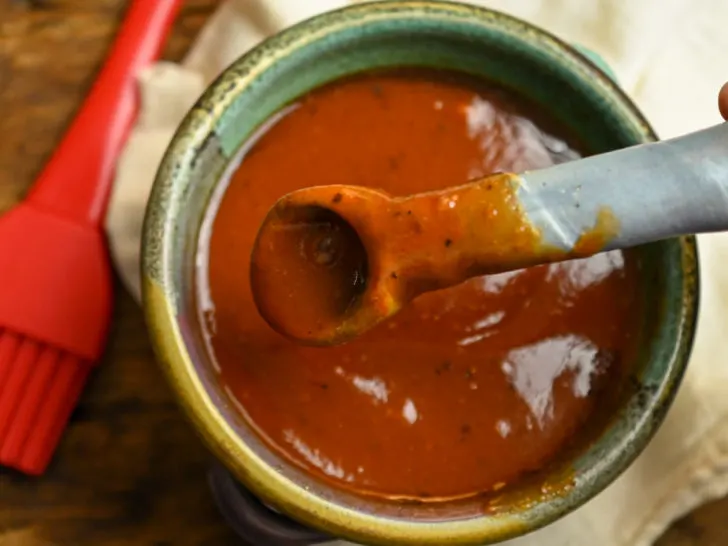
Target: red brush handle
x=76, y=181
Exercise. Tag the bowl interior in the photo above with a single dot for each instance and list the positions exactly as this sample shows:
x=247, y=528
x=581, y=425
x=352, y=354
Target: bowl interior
x=210, y=144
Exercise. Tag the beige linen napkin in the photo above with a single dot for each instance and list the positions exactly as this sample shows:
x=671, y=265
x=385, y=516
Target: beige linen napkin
x=670, y=56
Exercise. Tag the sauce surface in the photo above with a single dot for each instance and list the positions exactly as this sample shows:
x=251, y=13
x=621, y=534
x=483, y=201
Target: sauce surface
x=467, y=388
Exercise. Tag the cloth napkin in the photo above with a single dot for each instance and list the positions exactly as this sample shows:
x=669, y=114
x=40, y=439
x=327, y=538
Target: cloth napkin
x=670, y=56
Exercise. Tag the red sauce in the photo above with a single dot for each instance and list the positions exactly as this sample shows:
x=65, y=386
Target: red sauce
x=467, y=388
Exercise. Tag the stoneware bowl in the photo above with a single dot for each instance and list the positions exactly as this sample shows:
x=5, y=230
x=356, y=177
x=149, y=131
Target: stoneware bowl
x=532, y=63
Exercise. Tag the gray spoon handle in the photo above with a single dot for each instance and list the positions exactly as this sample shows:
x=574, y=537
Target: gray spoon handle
x=657, y=190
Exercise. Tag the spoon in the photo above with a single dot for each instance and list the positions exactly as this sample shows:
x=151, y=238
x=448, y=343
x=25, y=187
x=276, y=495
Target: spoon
x=331, y=262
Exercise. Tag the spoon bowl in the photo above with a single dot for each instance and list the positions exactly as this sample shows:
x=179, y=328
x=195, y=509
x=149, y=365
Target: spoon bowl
x=331, y=286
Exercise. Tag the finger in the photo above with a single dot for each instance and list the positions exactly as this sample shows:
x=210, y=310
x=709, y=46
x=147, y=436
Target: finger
x=723, y=101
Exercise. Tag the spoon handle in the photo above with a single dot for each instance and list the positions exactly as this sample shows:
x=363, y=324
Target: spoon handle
x=654, y=191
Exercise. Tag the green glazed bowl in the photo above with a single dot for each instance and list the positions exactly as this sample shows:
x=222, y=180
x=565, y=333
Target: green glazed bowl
x=509, y=52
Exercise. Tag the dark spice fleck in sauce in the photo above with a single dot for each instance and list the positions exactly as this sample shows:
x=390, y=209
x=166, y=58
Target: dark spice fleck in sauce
x=468, y=388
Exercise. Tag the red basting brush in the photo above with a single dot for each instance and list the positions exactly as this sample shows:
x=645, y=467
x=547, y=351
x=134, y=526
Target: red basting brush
x=55, y=276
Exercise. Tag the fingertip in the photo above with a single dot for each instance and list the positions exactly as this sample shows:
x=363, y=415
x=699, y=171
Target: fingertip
x=723, y=101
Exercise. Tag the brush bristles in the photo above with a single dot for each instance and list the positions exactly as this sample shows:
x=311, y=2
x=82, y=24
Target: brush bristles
x=39, y=387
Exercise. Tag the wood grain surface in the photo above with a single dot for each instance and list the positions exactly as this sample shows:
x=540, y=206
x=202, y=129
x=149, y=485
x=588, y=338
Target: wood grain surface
x=129, y=471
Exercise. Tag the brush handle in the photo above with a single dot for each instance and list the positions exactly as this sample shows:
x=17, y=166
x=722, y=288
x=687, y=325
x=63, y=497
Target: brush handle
x=76, y=182
x=656, y=191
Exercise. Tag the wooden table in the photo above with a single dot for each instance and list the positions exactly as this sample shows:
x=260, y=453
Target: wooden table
x=130, y=470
